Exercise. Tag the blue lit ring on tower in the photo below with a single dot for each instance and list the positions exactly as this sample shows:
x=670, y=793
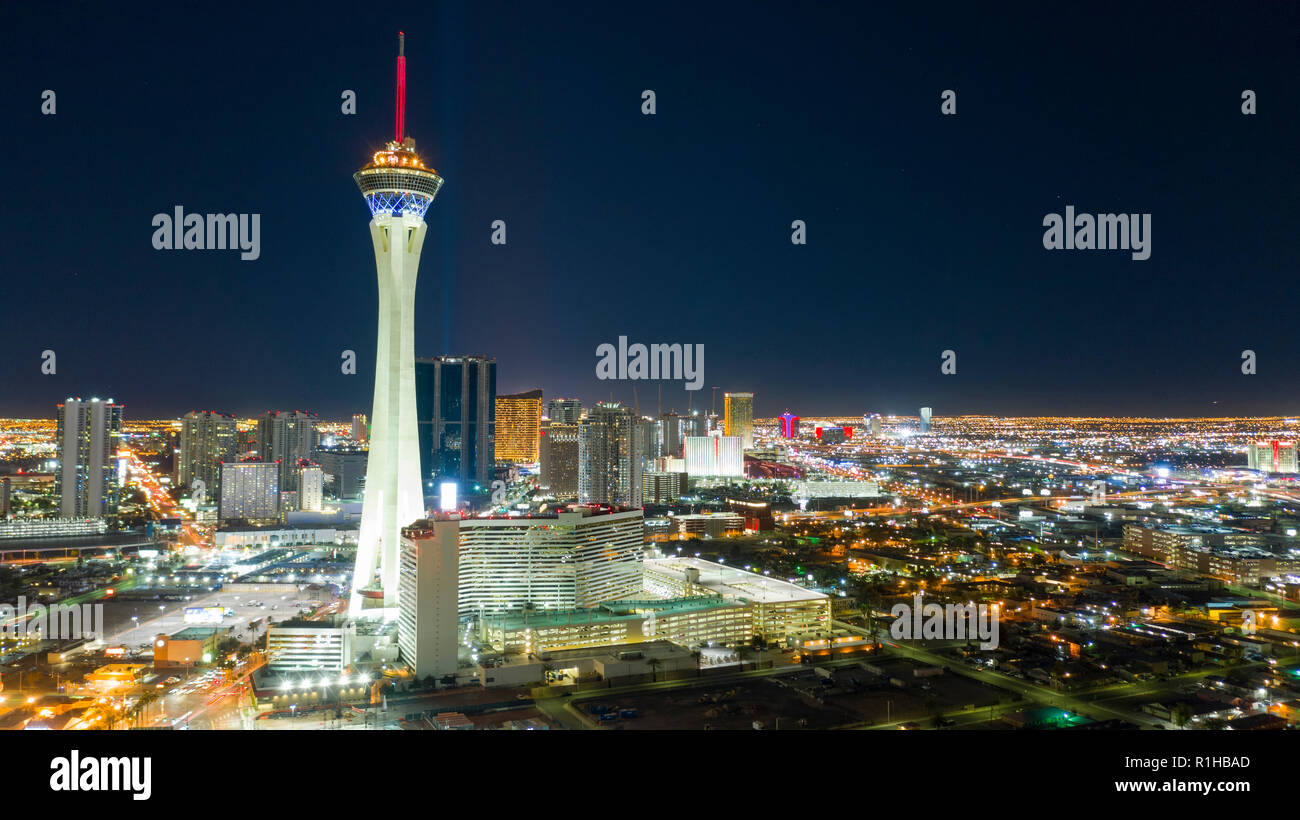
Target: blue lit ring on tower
x=396, y=181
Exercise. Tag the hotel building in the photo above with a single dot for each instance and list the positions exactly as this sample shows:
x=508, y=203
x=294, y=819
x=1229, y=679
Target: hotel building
x=558, y=453
x=738, y=417
x=250, y=491
x=87, y=481
x=685, y=600
x=427, y=597
x=575, y=558
x=715, y=456
x=519, y=418
x=1272, y=456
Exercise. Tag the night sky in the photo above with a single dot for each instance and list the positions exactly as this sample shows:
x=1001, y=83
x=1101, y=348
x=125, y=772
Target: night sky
x=924, y=231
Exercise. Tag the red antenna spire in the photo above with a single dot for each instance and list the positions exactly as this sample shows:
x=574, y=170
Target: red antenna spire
x=401, y=85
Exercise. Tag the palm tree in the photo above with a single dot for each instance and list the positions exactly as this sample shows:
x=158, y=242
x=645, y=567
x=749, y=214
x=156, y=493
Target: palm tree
x=137, y=709
x=697, y=655
x=654, y=664
x=150, y=699
x=868, y=610
x=1181, y=714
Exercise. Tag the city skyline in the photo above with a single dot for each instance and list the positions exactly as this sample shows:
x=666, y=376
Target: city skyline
x=792, y=369
x=926, y=229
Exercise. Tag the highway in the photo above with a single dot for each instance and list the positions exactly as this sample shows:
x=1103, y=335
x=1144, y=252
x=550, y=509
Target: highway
x=161, y=503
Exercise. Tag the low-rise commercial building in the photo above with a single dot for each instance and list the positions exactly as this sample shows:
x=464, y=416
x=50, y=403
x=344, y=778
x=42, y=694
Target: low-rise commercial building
x=780, y=611
x=283, y=536
x=304, y=646
x=709, y=525
x=188, y=648
x=690, y=622
x=116, y=677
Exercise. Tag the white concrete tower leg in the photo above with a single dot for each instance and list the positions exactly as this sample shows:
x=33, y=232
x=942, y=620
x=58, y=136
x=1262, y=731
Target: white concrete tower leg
x=409, y=493
x=394, y=497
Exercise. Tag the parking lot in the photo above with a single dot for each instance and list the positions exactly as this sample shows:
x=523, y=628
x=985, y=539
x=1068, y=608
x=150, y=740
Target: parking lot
x=135, y=623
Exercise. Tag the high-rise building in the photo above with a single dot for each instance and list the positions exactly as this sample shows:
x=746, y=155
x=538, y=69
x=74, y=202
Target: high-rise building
x=311, y=488
x=1272, y=456
x=662, y=487
x=398, y=189
x=715, y=456
x=428, y=601
x=565, y=411
x=609, y=466
x=456, y=403
x=87, y=480
x=873, y=423
x=673, y=432
x=558, y=454
x=651, y=442
x=207, y=439
x=573, y=558
x=246, y=448
x=5, y=490
x=789, y=424
x=925, y=419
x=834, y=435
x=286, y=438
x=250, y=491
x=519, y=418
x=665, y=464
x=344, y=470
x=738, y=416
x=696, y=424
x=359, y=431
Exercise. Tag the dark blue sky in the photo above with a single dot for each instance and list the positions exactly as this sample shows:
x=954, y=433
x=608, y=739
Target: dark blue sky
x=924, y=231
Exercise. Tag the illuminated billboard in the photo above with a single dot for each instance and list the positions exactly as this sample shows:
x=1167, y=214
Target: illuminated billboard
x=206, y=614
x=447, y=496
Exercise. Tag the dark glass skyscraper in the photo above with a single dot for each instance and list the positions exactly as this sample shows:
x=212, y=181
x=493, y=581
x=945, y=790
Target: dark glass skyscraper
x=455, y=400
x=286, y=438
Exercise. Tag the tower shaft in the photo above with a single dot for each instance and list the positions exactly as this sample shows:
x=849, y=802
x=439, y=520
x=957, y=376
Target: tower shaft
x=394, y=497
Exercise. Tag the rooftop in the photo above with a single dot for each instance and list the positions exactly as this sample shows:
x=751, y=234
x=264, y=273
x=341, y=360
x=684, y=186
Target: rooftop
x=608, y=612
x=733, y=583
x=196, y=633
